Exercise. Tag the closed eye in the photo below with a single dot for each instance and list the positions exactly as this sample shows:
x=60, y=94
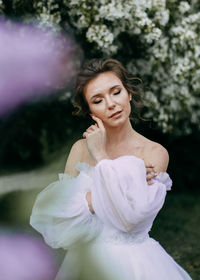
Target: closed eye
x=115, y=93
x=97, y=102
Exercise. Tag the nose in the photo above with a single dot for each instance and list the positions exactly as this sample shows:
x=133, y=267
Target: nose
x=110, y=102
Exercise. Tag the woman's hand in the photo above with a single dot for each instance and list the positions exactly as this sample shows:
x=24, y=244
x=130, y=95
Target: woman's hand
x=150, y=172
x=89, y=200
x=96, y=140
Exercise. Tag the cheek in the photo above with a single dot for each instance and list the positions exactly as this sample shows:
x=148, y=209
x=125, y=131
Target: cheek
x=97, y=111
x=124, y=96
x=126, y=102
x=127, y=106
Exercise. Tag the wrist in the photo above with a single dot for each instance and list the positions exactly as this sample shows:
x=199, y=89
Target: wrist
x=89, y=201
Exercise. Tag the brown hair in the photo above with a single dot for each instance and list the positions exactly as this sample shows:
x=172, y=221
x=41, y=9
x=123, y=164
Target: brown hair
x=92, y=69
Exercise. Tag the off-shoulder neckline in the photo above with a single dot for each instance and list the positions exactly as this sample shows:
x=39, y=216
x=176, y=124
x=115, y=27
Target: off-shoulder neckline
x=89, y=166
x=86, y=168
x=92, y=166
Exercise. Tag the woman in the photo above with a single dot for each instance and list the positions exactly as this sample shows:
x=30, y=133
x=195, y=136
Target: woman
x=102, y=209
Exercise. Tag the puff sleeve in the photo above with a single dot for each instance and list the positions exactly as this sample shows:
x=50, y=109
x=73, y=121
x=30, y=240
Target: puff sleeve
x=121, y=196
x=61, y=212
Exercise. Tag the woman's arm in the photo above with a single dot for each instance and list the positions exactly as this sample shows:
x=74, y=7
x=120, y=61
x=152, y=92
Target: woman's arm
x=149, y=176
x=159, y=157
x=75, y=155
x=60, y=212
x=121, y=196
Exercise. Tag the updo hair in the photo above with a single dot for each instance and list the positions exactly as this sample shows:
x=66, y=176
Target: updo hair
x=91, y=69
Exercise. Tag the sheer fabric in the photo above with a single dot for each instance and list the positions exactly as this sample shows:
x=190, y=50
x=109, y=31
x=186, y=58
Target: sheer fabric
x=121, y=196
x=115, y=240
x=61, y=212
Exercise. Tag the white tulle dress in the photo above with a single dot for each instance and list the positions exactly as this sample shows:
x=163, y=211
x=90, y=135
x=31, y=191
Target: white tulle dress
x=113, y=243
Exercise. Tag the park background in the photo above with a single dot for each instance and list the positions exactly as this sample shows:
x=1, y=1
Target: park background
x=158, y=42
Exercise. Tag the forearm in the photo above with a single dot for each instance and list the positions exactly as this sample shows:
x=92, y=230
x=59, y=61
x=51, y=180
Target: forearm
x=89, y=200
x=97, y=158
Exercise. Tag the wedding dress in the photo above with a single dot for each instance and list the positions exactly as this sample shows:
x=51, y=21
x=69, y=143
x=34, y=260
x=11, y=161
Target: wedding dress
x=113, y=243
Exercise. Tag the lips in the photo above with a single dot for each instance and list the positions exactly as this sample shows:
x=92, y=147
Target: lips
x=116, y=113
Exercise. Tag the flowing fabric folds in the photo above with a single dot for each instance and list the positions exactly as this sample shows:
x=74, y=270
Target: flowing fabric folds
x=116, y=240
x=61, y=212
x=121, y=196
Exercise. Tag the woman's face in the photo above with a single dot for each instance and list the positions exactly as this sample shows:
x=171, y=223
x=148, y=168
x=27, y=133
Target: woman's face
x=106, y=96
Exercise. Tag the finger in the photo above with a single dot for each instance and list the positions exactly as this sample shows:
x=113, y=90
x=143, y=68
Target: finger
x=91, y=128
x=85, y=134
x=150, y=165
x=94, y=126
x=149, y=170
x=150, y=183
x=99, y=122
x=151, y=176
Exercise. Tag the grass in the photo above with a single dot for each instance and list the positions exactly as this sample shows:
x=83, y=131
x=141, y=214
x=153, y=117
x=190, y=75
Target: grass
x=177, y=229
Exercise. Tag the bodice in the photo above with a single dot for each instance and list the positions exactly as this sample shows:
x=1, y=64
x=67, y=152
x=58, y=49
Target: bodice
x=112, y=235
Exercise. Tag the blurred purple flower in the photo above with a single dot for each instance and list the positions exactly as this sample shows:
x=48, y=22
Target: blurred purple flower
x=23, y=257
x=33, y=63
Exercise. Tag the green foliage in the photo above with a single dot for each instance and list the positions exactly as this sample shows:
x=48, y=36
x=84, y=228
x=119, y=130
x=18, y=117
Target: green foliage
x=177, y=230
x=1, y=7
x=34, y=132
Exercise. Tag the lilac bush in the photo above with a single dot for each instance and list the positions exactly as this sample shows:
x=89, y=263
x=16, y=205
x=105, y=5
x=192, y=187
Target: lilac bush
x=25, y=257
x=33, y=63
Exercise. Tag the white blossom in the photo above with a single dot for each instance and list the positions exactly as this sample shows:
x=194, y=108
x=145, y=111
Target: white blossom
x=162, y=17
x=167, y=31
x=184, y=7
x=47, y=17
x=153, y=36
x=101, y=35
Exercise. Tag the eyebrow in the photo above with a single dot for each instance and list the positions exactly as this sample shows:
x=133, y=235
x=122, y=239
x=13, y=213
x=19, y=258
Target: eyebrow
x=99, y=94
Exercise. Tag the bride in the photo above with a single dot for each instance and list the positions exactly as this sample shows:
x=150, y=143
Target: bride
x=115, y=182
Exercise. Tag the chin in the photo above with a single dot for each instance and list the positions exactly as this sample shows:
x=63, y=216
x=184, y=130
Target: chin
x=118, y=122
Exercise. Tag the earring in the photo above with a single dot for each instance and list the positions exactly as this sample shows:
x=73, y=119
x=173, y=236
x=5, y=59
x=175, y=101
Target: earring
x=130, y=97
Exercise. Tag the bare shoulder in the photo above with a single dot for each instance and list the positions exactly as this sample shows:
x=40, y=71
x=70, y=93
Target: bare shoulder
x=85, y=154
x=159, y=156
x=75, y=155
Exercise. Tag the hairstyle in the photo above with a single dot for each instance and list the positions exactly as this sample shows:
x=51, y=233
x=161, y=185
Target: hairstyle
x=91, y=69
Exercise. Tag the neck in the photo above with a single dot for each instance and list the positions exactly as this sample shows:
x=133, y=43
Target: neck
x=121, y=134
